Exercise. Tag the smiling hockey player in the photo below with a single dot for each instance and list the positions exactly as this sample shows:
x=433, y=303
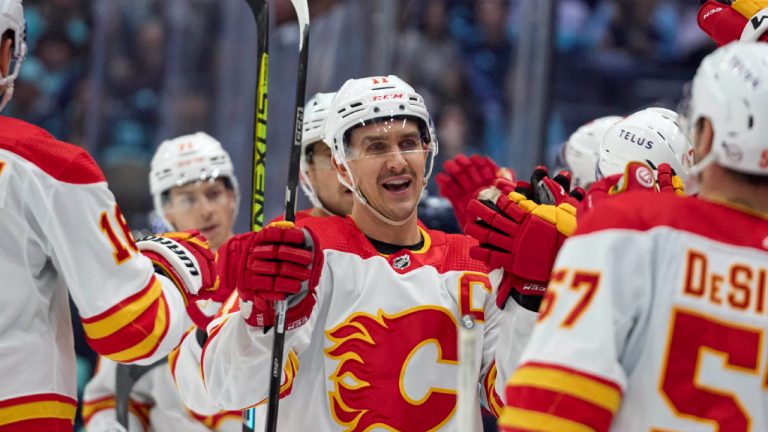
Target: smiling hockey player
x=375, y=300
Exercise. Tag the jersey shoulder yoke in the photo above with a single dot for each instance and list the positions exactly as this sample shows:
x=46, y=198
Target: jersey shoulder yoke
x=64, y=162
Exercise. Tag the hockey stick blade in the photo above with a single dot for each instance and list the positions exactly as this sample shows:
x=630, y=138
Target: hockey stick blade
x=302, y=13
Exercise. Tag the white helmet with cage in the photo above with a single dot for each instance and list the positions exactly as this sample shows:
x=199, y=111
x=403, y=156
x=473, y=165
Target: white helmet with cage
x=188, y=159
x=315, y=114
x=579, y=154
x=652, y=136
x=730, y=89
x=12, y=19
x=362, y=101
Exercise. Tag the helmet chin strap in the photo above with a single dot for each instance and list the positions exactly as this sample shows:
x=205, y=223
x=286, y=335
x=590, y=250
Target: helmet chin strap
x=381, y=217
x=360, y=197
x=694, y=174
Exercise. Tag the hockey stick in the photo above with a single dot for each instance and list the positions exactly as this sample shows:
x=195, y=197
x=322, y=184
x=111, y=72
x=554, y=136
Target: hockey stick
x=276, y=371
x=260, y=9
x=468, y=368
x=126, y=376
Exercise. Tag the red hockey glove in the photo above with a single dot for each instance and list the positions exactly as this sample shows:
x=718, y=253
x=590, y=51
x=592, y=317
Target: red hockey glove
x=523, y=238
x=637, y=176
x=186, y=259
x=669, y=181
x=270, y=265
x=744, y=20
x=545, y=190
x=463, y=177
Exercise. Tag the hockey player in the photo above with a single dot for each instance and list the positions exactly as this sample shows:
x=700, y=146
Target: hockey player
x=579, y=154
x=652, y=136
x=646, y=150
x=374, y=300
x=320, y=184
x=64, y=236
x=193, y=186
x=317, y=177
x=656, y=313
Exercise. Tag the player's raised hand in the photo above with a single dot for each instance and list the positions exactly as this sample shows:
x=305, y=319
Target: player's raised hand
x=726, y=21
x=270, y=265
x=463, y=177
x=522, y=237
x=668, y=180
x=543, y=189
x=637, y=176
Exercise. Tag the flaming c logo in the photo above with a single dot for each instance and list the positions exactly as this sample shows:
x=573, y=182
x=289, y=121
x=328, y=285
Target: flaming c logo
x=374, y=353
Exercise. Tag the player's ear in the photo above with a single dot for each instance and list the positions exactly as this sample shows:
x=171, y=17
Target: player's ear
x=703, y=141
x=341, y=169
x=6, y=50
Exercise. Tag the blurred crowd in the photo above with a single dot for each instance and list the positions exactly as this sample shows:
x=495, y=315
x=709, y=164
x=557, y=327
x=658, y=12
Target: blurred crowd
x=109, y=75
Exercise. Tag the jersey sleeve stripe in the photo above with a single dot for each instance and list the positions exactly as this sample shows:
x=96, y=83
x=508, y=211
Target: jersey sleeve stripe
x=149, y=344
x=44, y=406
x=519, y=420
x=123, y=313
x=489, y=384
x=289, y=373
x=594, y=390
x=92, y=407
x=214, y=422
x=559, y=405
x=129, y=335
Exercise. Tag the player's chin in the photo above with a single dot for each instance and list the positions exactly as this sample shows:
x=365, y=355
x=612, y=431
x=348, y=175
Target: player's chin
x=399, y=210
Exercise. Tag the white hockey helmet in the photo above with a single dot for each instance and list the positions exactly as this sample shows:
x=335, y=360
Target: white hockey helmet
x=315, y=114
x=652, y=136
x=579, y=154
x=12, y=19
x=187, y=159
x=361, y=101
x=730, y=89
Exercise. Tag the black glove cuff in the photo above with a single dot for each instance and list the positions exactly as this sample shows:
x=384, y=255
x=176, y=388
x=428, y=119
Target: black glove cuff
x=532, y=303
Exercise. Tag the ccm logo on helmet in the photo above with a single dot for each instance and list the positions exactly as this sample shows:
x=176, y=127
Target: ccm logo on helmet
x=634, y=139
x=388, y=97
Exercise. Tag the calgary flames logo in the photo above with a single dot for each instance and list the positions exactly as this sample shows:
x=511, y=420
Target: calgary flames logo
x=374, y=353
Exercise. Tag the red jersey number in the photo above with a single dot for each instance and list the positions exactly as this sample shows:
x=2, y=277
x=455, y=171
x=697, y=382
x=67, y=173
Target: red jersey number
x=692, y=335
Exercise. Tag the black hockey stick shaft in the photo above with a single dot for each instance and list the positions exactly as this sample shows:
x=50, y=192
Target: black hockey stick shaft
x=126, y=376
x=276, y=368
x=260, y=9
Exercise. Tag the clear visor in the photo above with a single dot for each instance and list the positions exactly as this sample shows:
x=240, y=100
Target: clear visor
x=318, y=156
x=212, y=192
x=386, y=137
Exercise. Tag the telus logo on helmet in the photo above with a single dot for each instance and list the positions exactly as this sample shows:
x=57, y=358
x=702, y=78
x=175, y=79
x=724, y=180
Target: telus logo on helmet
x=634, y=139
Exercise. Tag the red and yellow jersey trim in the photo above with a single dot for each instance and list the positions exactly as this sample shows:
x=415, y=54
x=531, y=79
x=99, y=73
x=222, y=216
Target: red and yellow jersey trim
x=138, y=409
x=495, y=403
x=547, y=397
x=289, y=373
x=214, y=422
x=46, y=408
x=132, y=329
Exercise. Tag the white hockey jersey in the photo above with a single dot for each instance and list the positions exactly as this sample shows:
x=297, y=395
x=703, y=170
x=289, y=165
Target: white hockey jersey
x=380, y=348
x=62, y=233
x=654, y=320
x=154, y=404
